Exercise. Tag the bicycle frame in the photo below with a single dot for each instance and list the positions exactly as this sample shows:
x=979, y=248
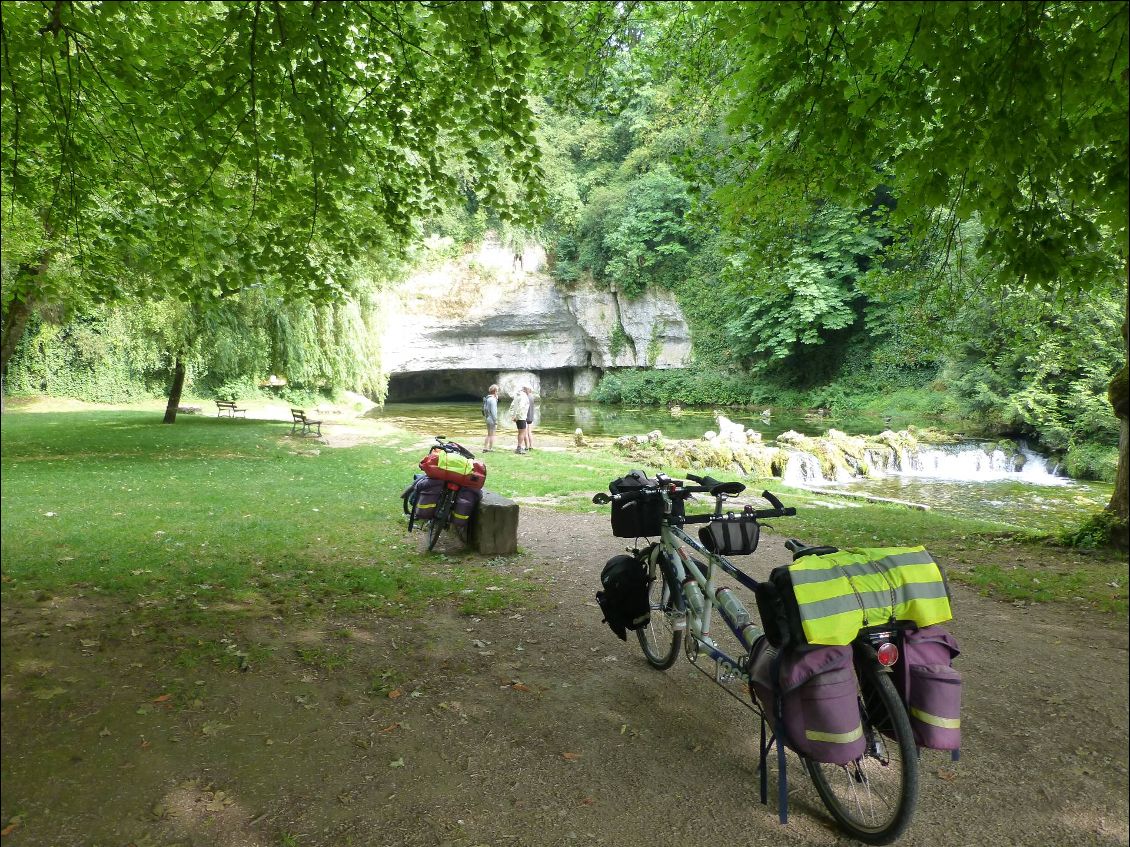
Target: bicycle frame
x=675, y=542
x=871, y=797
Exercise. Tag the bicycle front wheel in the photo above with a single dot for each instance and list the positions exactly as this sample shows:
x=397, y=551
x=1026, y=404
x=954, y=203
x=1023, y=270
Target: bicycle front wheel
x=659, y=639
x=439, y=520
x=873, y=798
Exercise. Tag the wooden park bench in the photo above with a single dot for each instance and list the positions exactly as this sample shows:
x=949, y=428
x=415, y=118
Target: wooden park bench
x=226, y=408
x=307, y=424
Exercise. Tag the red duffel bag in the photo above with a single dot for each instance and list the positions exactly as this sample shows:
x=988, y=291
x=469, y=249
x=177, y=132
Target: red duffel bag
x=452, y=467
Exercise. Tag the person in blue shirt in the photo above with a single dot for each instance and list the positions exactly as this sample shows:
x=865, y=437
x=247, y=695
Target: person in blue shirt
x=490, y=416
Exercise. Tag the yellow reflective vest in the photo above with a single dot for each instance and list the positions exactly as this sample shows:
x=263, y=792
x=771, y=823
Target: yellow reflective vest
x=839, y=593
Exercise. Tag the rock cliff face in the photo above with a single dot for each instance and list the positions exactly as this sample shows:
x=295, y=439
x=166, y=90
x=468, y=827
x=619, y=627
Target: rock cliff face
x=495, y=316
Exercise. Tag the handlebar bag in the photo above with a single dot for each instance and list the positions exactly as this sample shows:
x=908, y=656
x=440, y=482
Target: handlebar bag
x=623, y=598
x=636, y=518
x=930, y=687
x=810, y=695
x=466, y=501
x=642, y=517
x=427, y=493
x=731, y=537
x=453, y=467
x=828, y=599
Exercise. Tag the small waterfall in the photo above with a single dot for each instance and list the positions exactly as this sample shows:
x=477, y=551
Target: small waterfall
x=973, y=462
x=963, y=462
x=802, y=469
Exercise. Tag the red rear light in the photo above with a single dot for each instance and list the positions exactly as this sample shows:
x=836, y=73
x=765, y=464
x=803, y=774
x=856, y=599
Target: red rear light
x=888, y=654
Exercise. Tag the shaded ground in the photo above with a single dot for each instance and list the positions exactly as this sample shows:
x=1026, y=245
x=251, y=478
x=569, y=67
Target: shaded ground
x=531, y=728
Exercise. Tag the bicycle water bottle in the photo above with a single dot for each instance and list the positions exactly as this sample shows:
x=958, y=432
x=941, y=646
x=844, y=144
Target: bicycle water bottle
x=694, y=595
x=736, y=616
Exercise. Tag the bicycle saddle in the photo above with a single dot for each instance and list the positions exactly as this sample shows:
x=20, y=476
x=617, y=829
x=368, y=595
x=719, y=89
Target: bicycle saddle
x=726, y=488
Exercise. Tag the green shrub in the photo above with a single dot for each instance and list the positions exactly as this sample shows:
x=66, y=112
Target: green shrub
x=1091, y=461
x=237, y=389
x=1096, y=532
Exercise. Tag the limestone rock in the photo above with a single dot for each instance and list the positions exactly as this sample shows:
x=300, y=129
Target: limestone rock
x=488, y=311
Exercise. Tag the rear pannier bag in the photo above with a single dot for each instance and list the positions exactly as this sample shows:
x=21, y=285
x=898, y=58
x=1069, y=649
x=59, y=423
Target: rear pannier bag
x=466, y=501
x=410, y=493
x=819, y=705
x=829, y=598
x=931, y=688
x=624, y=595
x=454, y=467
x=731, y=537
x=428, y=492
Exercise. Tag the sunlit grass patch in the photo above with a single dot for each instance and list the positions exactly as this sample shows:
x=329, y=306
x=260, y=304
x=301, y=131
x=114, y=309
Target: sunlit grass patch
x=204, y=513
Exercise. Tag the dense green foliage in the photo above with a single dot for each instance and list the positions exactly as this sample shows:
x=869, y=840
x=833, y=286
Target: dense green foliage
x=115, y=354
x=797, y=294
x=194, y=150
x=1014, y=112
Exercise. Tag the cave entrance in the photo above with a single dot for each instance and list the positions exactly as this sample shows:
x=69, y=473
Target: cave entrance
x=452, y=386
x=439, y=386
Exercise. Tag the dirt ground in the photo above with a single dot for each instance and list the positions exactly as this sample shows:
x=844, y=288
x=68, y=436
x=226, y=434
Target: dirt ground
x=539, y=728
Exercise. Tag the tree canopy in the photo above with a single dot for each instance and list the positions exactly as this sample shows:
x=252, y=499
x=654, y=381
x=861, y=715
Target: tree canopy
x=195, y=149
x=1015, y=112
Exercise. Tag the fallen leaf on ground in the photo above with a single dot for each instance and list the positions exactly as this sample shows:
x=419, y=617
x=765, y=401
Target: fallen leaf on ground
x=48, y=693
x=397, y=763
x=570, y=757
x=162, y=698
x=948, y=776
x=396, y=692
x=520, y=686
x=390, y=727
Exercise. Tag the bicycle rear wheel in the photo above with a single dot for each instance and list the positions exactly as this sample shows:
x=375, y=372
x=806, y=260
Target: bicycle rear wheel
x=439, y=520
x=659, y=639
x=873, y=798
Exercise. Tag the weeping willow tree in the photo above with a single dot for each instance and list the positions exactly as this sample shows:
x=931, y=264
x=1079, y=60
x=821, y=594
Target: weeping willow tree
x=125, y=352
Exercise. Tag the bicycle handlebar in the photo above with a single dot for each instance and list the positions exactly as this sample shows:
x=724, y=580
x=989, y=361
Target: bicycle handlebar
x=779, y=509
x=453, y=447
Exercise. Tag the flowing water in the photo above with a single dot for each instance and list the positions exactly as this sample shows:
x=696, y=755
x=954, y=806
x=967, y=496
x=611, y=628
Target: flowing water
x=970, y=479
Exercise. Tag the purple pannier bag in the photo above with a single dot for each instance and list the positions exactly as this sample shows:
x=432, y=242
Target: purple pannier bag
x=931, y=688
x=428, y=492
x=819, y=700
x=466, y=501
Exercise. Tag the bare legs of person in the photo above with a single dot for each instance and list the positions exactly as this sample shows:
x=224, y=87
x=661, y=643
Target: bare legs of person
x=521, y=437
x=488, y=444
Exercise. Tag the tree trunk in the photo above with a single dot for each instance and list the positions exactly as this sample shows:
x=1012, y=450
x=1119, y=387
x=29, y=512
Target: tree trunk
x=175, y=392
x=1119, y=395
x=14, y=322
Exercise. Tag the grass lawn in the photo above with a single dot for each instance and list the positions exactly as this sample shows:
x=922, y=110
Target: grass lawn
x=189, y=519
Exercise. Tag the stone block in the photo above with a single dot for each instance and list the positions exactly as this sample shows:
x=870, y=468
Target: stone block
x=494, y=530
